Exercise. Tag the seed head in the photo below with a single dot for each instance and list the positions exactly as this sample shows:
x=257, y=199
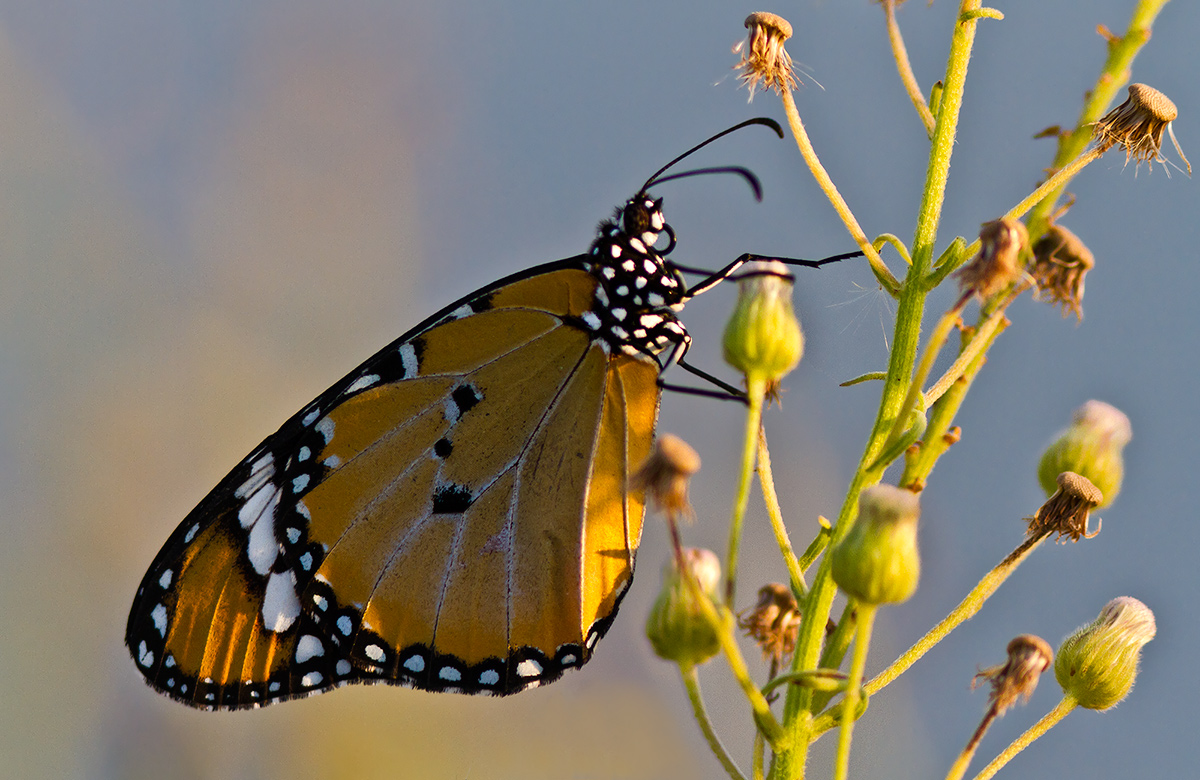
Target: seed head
x=1003, y=244
x=1028, y=657
x=1137, y=126
x=1060, y=262
x=676, y=626
x=764, y=62
x=877, y=561
x=665, y=475
x=1066, y=512
x=1098, y=663
x=774, y=622
x=1093, y=447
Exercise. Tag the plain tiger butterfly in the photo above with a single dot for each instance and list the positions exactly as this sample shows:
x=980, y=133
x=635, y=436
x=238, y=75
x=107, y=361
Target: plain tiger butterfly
x=452, y=515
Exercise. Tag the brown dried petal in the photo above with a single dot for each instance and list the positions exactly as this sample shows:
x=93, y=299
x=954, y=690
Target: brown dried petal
x=1028, y=657
x=999, y=262
x=665, y=475
x=764, y=62
x=1137, y=126
x=774, y=622
x=1067, y=511
x=1060, y=263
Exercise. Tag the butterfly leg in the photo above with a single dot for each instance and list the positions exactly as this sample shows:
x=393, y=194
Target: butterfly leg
x=714, y=278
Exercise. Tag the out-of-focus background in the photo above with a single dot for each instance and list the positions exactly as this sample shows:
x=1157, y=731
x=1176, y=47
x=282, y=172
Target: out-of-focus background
x=211, y=211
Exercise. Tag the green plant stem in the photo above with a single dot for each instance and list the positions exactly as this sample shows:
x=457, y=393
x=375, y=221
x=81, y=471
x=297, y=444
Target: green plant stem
x=825, y=680
x=775, y=514
x=858, y=662
x=917, y=469
x=897, y=244
x=756, y=389
x=756, y=762
x=1113, y=76
x=964, y=611
x=790, y=763
x=959, y=767
x=722, y=621
x=983, y=338
x=691, y=681
x=904, y=67
x=827, y=186
x=933, y=348
x=1060, y=178
x=1051, y=718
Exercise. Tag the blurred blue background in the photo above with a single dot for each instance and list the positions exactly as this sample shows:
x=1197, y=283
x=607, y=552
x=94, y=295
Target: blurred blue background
x=211, y=211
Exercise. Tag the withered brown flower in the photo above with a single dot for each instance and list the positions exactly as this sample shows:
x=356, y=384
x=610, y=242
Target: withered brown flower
x=764, y=62
x=1137, y=126
x=1000, y=262
x=1028, y=657
x=1066, y=512
x=774, y=622
x=665, y=475
x=1060, y=263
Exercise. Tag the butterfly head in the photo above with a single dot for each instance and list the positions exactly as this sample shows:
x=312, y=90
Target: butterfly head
x=642, y=217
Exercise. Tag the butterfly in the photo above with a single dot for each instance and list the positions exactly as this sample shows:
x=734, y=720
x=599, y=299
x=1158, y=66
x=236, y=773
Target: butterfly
x=455, y=513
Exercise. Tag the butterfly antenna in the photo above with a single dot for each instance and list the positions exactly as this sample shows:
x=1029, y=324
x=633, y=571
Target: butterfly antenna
x=745, y=173
x=759, y=120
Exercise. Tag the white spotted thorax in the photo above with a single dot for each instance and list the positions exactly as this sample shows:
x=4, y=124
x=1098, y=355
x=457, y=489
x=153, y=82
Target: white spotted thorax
x=634, y=310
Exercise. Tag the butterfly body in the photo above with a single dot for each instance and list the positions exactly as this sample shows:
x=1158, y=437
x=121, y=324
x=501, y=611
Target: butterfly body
x=453, y=515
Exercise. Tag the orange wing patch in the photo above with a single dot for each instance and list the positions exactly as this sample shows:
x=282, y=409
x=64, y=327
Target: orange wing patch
x=452, y=515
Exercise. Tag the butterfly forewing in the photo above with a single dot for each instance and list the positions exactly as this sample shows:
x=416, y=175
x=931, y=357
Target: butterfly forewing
x=454, y=515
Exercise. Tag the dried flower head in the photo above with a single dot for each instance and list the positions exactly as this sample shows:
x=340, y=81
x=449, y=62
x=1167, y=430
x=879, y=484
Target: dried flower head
x=1137, y=126
x=1098, y=663
x=1000, y=262
x=665, y=475
x=764, y=61
x=1066, y=512
x=774, y=622
x=1028, y=657
x=1093, y=446
x=1060, y=262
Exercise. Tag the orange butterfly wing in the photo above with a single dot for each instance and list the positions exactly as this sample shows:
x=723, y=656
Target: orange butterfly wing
x=452, y=515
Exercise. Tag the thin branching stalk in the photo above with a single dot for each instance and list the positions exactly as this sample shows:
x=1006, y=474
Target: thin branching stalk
x=756, y=389
x=798, y=716
x=691, y=682
x=904, y=67
x=1113, y=76
x=1025, y=740
x=819, y=173
x=963, y=612
x=858, y=662
x=775, y=514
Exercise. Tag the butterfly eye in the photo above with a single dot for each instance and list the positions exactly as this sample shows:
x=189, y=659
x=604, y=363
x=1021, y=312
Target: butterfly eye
x=635, y=217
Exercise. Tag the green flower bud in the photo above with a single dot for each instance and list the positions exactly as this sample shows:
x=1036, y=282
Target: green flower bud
x=677, y=628
x=1097, y=664
x=763, y=338
x=1092, y=448
x=877, y=561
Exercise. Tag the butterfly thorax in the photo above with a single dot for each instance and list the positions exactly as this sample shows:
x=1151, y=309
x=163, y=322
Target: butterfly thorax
x=639, y=290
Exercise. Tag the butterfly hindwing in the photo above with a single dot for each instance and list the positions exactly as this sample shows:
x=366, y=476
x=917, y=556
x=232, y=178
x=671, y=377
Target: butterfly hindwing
x=451, y=515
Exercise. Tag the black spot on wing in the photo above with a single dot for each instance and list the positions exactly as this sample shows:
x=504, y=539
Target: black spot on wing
x=442, y=448
x=465, y=397
x=452, y=500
